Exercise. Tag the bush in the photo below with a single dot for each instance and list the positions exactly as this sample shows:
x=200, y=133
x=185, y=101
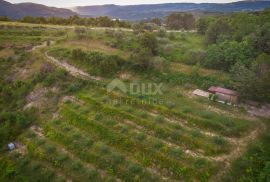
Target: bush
x=99, y=116
x=161, y=32
x=170, y=105
x=172, y=36
x=13, y=123
x=140, y=136
x=80, y=32
x=149, y=41
x=219, y=141
x=142, y=59
x=159, y=64
x=159, y=119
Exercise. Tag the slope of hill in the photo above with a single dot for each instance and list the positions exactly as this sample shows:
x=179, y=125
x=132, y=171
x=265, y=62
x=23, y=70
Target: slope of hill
x=130, y=12
x=136, y=12
x=16, y=11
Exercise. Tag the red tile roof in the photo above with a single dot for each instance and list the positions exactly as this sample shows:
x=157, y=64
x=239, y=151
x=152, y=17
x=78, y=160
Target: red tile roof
x=223, y=91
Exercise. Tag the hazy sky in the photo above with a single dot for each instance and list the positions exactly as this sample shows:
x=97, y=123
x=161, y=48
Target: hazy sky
x=70, y=3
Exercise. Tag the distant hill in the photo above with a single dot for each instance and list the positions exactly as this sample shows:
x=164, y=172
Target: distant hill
x=16, y=11
x=131, y=12
x=137, y=12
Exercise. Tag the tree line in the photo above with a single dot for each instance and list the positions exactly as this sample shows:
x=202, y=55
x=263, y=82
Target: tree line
x=102, y=21
x=175, y=21
x=240, y=44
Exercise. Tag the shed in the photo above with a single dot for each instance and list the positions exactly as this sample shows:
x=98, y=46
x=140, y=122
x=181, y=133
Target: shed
x=225, y=95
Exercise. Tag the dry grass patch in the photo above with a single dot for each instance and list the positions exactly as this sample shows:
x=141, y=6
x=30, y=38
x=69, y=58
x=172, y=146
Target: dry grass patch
x=179, y=67
x=94, y=45
x=5, y=53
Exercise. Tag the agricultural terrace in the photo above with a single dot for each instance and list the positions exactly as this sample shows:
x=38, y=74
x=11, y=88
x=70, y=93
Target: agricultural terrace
x=78, y=131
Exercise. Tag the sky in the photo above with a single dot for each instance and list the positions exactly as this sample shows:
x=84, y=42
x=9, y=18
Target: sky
x=71, y=3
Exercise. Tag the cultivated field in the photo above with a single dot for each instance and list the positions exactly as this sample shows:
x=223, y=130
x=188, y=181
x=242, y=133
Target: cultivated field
x=81, y=132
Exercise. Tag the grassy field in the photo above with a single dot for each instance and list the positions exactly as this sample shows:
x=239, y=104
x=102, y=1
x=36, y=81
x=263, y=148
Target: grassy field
x=82, y=132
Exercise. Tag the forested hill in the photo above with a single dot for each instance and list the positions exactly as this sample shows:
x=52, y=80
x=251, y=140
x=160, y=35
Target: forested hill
x=137, y=12
x=131, y=12
x=15, y=11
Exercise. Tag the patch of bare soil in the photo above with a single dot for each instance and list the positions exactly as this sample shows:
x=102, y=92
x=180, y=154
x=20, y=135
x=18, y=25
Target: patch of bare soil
x=258, y=110
x=72, y=99
x=20, y=148
x=37, y=98
x=126, y=76
x=37, y=130
x=44, y=44
x=234, y=114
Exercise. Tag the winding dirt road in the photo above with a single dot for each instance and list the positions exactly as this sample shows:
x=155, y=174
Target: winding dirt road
x=71, y=69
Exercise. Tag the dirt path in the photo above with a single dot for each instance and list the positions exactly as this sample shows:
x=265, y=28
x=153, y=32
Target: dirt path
x=71, y=69
x=241, y=146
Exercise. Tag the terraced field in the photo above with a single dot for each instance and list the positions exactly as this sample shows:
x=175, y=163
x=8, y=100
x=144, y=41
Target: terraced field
x=90, y=138
x=96, y=135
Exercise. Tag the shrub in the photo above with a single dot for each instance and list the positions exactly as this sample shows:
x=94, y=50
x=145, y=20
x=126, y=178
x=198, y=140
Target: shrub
x=99, y=116
x=144, y=114
x=92, y=174
x=149, y=41
x=72, y=88
x=159, y=119
x=80, y=32
x=219, y=140
x=134, y=169
x=76, y=166
x=61, y=158
x=161, y=32
x=170, y=105
x=172, y=36
x=159, y=64
x=49, y=148
x=124, y=129
x=158, y=145
x=140, y=136
x=87, y=142
x=177, y=153
x=103, y=149
x=110, y=122
x=117, y=158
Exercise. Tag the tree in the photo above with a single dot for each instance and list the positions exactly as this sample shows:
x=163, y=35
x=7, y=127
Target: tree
x=142, y=59
x=262, y=39
x=253, y=82
x=149, y=41
x=242, y=25
x=217, y=30
x=202, y=24
x=226, y=54
x=156, y=21
x=4, y=18
x=105, y=21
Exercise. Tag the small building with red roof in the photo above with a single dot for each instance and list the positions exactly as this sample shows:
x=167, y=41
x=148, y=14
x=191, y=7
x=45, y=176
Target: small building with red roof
x=225, y=95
